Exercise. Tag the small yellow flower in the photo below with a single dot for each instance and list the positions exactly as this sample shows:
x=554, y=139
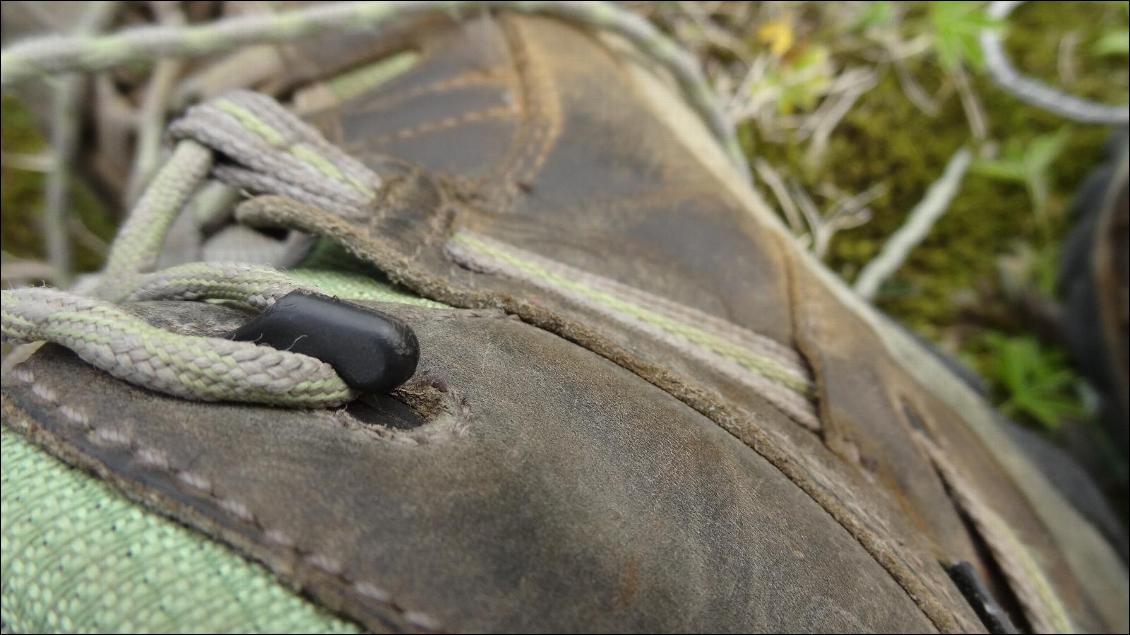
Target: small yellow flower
x=778, y=34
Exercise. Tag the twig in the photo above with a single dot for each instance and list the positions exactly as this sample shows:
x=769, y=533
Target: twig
x=1036, y=93
x=64, y=137
x=85, y=237
x=743, y=104
x=846, y=213
x=852, y=211
x=776, y=184
x=112, y=128
x=46, y=56
x=813, y=218
x=828, y=122
x=64, y=134
x=151, y=118
x=918, y=224
x=38, y=162
x=914, y=91
x=971, y=104
x=22, y=271
x=1065, y=59
x=242, y=68
x=896, y=52
x=715, y=36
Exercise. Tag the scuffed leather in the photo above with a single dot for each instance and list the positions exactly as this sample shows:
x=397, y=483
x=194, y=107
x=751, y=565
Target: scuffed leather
x=583, y=477
x=562, y=493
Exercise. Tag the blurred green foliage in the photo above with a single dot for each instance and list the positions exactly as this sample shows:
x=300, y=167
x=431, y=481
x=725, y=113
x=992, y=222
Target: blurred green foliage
x=1029, y=165
x=955, y=27
x=1015, y=200
x=1032, y=380
x=22, y=197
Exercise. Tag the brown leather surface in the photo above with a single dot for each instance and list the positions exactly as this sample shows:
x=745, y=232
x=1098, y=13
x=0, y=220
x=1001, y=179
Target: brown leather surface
x=869, y=409
x=597, y=184
x=614, y=485
x=553, y=491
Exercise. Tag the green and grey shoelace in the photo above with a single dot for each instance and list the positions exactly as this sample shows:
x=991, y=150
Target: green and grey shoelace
x=269, y=151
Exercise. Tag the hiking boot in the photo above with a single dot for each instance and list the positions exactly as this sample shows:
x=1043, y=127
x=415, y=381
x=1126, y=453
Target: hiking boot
x=637, y=405
x=1093, y=282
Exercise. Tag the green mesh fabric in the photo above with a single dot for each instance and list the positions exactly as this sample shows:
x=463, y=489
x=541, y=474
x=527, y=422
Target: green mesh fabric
x=78, y=557
x=333, y=270
x=356, y=286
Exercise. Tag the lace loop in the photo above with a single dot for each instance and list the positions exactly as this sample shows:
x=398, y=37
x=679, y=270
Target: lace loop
x=262, y=146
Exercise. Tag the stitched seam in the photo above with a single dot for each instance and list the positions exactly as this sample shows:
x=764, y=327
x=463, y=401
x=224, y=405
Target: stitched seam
x=1025, y=577
x=542, y=122
x=547, y=111
x=523, y=100
x=772, y=446
x=485, y=77
x=199, y=486
x=446, y=123
x=764, y=441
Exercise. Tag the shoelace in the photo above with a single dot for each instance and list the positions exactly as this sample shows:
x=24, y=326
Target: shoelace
x=267, y=150
x=201, y=368
x=271, y=151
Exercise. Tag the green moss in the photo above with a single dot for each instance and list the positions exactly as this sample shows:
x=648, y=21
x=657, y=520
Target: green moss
x=885, y=138
x=1036, y=31
x=22, y=195
x=21, y=191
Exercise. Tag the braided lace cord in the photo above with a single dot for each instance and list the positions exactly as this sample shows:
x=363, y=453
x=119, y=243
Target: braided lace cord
x=265, y=149
x=201, y=368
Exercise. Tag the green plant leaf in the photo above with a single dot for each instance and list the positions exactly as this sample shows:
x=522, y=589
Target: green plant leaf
x=1030, y=165
x=874, y=14
x=1035, y=381
x=1116, y=43
x=956, y=27
x=1000, y=169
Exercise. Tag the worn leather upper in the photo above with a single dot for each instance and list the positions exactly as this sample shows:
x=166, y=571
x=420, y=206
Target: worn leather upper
x=555, y=466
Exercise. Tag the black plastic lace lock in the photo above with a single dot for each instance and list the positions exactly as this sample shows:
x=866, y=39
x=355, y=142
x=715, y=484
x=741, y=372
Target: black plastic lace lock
x=371, y=351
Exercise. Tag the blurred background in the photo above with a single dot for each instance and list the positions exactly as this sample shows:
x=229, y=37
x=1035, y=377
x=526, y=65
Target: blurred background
x=853, y=116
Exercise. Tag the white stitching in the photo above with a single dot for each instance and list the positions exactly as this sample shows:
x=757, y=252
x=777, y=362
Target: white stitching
x=109, y=437
x=237, y=509
x=324, y=564
x=73, y=415
x=194, y=480
x=370, y=591
x=156, y=460
x=44, y=393
x=276, y=537
x=152, y=458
